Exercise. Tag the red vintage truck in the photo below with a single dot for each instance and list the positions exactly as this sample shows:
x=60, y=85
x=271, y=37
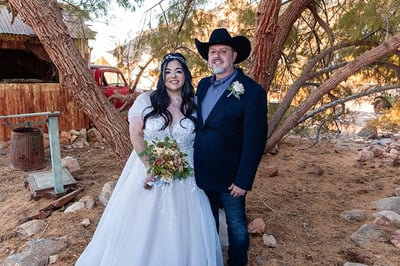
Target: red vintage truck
x=114, y=86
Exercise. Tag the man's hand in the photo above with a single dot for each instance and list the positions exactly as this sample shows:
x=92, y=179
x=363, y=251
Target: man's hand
x=236, y=191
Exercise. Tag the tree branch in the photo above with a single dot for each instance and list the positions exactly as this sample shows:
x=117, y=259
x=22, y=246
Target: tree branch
x=351, y=68
x=300, y=81
x=349, y=98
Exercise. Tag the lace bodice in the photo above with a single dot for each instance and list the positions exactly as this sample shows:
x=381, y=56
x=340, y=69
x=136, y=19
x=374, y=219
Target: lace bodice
x=182, y=131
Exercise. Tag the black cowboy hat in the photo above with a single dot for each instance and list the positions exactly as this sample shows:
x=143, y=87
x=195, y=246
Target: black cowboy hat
x=221, y=36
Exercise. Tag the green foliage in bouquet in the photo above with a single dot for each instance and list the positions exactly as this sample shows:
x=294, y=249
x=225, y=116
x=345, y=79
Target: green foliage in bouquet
x=166, y=162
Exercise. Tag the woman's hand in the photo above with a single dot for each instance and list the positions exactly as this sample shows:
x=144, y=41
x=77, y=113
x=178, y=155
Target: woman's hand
x=148, y=182
x=150, y=178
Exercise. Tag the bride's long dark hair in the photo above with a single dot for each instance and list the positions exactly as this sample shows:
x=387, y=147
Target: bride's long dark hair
x=160, y=99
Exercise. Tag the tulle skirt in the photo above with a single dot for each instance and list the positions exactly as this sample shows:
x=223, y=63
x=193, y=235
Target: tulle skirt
x=170, y=225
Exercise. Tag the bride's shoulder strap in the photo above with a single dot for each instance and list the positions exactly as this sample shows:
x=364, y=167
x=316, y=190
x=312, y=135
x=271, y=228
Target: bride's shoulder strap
x=140, y=104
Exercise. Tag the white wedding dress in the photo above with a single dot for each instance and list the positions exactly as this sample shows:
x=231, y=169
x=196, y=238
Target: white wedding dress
x=170, y=225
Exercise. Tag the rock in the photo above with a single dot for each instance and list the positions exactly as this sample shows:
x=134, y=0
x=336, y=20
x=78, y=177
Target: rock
x=365, y=155
x=3, y=151
x=272, y=170
x=354, y=264
x=46, y=140
x=395, y=239
x=378, y=151
x=74, y=132
x=318, y=170
x=79, y=144
x=394, y=153
x=53, y=259
x=85, y=222
x=259, y=260
x=89, y=202
x=106, y=193
x=395, y=162
x=396, y=192
x=76, y=206
x=368, y=132
x=356, y=214
x=93, y=135
x=387, y=218
x=71, y=164
x=65, y=138
x=38, y=252
x=367, y=233
x=269, y=240
x=4, y=144
x=257, y=226
x=390, y=204
x=30, y=228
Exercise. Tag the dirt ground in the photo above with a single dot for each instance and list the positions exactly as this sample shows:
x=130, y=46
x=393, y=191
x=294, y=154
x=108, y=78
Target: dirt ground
x=301, y=206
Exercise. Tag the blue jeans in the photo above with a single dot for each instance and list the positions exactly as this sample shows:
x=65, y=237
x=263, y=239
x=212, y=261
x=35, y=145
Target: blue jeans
x=236, y=220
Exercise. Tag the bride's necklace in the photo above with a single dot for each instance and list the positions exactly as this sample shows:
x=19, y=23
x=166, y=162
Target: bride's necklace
x=176, y=99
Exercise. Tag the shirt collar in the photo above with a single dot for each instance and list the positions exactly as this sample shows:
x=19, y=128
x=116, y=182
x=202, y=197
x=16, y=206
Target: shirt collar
x=225, y=79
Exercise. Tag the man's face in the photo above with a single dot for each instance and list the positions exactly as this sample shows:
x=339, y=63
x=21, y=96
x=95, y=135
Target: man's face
x=221, y=58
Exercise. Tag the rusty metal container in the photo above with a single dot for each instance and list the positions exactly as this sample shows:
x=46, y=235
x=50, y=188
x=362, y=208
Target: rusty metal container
x=27, y=149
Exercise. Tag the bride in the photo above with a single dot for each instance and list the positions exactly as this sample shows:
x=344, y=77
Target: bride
x=169, y=224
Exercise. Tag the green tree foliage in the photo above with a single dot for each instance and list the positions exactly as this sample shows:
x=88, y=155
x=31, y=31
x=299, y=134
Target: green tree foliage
x=372, y=19
x=325, y=37
x=179, y=23
x=321, y=27
x=316, y=53
x=98, y=8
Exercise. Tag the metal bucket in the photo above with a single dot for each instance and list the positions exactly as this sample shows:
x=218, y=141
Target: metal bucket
x=27, y=149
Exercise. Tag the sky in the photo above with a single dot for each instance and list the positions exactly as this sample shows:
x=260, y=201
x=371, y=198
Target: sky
x=120, y=27
x=123, y=26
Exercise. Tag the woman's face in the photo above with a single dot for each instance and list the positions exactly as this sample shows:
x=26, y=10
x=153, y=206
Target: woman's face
x=174, y=78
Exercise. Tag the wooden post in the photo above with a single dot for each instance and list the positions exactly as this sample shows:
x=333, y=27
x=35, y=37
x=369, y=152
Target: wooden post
x=55, y=152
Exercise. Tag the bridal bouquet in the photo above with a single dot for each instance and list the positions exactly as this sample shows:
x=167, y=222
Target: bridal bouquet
x=166, y=162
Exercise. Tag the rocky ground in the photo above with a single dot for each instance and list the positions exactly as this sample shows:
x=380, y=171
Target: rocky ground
x=301, y=206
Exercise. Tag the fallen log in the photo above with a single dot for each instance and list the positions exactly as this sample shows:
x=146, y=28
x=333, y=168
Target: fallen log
x=54, y=205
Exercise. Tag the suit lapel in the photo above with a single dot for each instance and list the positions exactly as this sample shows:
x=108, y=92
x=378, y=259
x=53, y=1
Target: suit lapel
x=223, y=99
x=202, y=90
x=218, y=105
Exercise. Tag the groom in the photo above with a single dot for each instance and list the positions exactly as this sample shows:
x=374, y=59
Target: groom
x=231, y=135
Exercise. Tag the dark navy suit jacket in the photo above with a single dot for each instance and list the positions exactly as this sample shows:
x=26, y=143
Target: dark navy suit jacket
x=230, y=143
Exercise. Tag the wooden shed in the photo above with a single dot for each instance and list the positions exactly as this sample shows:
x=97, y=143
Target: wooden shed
x=29, y=81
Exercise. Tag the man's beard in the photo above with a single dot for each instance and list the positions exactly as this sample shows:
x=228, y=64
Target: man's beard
x=217, y=70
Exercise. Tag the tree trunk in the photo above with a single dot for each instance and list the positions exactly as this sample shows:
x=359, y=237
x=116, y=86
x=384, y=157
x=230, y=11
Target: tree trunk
x=44, y=16
x=361, y=61
x=260, y=66
x=269, y=39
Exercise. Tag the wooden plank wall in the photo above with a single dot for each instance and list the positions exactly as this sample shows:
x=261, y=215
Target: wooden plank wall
x=25, y=98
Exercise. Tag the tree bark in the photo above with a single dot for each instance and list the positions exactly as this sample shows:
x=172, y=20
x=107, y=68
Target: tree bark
x=269, y=39
x=260, y=65
x=45, y=18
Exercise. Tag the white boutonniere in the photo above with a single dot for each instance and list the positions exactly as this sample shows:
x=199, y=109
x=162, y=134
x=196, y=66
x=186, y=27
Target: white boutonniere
x=236, y=89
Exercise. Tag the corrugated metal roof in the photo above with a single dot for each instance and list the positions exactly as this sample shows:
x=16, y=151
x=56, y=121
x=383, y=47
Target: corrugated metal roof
x=77, y=29
x=18, y=27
